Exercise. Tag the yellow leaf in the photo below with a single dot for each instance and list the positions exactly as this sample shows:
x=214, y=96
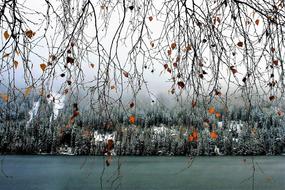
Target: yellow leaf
x=16, y=63
x=28, y=91
x=4, y=97
x=43, y=66
x=6, y=35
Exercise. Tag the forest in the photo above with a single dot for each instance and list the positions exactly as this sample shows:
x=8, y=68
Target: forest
x=154, y=131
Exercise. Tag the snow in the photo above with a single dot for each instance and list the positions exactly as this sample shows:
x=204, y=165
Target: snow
x=33, y=112
x=57, y=101
x=98, y=137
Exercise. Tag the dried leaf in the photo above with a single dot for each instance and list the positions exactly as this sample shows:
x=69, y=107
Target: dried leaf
x=271, y=98
x=275, y=62
x=132, y=119
x=131, y=7
x=218, y=115
x=233, y=69
x=188, y=48
x=194, y=103
x=66, y=91
x=110, y=144
x=92, y=65
x=190, y=138
x=4, y=97
x=113, y=87
x=213, y=135
x=165, y=66
x=211, y=110
x=126, y=74
x=28, y=91
x=6, y=55
x=6, y=35
x=181, y=84
x=169, y=52
x=173, y=45
x=169, y=70
x=30, y=33
x=69, y=60
x=195, y=135
x=16, y=63
x=132, y=104
x=150, y=18
x=43, y=66
x=257, y=22
x=280, y=113
x=240, y=44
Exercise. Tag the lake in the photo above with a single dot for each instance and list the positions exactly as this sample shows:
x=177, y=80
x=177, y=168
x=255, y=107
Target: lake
x=130, y=173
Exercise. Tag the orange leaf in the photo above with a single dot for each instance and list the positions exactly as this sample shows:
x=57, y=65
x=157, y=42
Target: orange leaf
x=213, y=135
x=211, y=110
x=218, y=115
x=6, y=35
x=4, y=97
x=43, y=66
x=132, y=119
x=190, y=138
x=195, y=135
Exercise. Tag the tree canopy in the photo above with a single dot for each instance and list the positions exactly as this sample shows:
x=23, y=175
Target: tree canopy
x=100, y=50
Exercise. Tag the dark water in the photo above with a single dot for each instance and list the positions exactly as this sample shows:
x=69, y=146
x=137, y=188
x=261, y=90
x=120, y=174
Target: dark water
x=64, y=172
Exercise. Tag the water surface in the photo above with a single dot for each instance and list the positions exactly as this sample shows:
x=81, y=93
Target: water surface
x=129, y=173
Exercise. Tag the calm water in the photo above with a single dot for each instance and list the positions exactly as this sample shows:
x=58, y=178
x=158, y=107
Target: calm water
x=64, y=172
